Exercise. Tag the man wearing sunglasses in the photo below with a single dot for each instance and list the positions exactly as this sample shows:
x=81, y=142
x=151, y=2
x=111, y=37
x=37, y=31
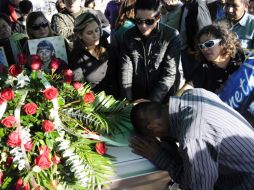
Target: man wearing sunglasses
x=150, y=60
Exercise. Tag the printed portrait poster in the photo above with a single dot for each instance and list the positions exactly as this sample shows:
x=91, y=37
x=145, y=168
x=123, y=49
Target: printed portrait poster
x=49, y=47
x=3, y=59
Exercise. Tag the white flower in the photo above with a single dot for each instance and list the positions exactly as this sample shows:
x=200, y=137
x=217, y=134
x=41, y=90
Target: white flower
x=64, y=145
x=22, y=81
x=25, y=135
x=36, y=169
x=21, y=164
x=68, y=153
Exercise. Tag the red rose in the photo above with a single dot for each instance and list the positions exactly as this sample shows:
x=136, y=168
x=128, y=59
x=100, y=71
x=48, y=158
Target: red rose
x=77, y=85
x=48, y=126
x=21, y=59
x=43, y=161
x=68, y=76
x=28, y=146
x=56, y=159
x=89, y=97
x=100, y=148
x=7, y=94
x=55, y=63
x=36, y=62
x=14, y=139
x=44, y=150
x=19, y=185
x=30, y=108
x=50, y=93
x=1, y=178
x=9, y=121
x=9, y=161
x=14, y=70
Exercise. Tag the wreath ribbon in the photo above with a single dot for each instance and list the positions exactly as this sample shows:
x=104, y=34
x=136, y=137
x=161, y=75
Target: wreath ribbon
x=19, y=129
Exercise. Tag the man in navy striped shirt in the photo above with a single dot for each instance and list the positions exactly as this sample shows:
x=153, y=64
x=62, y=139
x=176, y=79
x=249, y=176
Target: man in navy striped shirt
x=216, y=144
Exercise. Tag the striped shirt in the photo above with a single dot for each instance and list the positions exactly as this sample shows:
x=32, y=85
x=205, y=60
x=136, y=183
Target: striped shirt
x=216, y=144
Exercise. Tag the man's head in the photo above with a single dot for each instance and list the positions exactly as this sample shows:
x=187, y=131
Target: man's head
x=73, y=6
x=150, y=119
x=235, y=9
x=170, y=4
x=147, y=15
x=25, y=7
x=46, y=51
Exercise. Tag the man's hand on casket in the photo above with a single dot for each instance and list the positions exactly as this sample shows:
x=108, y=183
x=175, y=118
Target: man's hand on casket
x=146, y=147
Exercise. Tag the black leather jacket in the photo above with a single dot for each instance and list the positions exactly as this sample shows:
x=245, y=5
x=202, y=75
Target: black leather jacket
x=150, y=67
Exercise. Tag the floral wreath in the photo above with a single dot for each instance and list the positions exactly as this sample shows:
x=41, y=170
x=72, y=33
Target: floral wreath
x=51, y=130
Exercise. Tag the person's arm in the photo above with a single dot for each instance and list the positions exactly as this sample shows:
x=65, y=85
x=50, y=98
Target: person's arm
x=60, y=26
x=185, y=87
x=126, y=72
x=170, y=69
x=75, y=65
x=200, y=164
x=167, y=159
x=203, y=17
x=101, y=17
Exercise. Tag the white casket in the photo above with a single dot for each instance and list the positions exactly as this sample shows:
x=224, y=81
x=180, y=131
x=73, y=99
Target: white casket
x=134, y=172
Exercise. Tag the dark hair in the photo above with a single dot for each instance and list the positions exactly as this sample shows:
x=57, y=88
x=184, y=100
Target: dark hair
x=25, y=6
x=229, y=40
x=31, y=18
x=143, y=113
x=82, y=20
x=87, y=2
x=45, y=44
x=152, y=5
x=126, y=12
x=6, y=19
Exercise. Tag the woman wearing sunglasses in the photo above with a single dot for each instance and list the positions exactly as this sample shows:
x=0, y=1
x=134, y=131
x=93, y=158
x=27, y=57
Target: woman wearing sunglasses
x=91, y=58
x=38, y=27
x=220, y=54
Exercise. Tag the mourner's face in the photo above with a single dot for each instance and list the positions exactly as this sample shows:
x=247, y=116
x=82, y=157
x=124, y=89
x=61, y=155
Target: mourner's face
x=5, y=29
x=210, y=48
x=235, y=9
x=72, y=6
x=146, y=21
x=91, y=34
x=156, y=128
x=45, y=55
x=40, y=28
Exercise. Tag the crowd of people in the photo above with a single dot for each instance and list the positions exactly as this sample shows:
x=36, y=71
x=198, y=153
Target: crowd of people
x=151, y=51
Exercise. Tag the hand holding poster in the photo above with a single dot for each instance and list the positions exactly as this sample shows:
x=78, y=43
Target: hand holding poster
x=238, y=91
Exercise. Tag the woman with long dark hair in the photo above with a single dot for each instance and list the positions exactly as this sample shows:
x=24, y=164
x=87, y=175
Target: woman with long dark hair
x=91, y=59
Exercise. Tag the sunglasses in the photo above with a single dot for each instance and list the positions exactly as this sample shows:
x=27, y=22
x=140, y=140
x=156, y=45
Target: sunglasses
x=41, y=25
x=148, y=22
x=209, y=44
